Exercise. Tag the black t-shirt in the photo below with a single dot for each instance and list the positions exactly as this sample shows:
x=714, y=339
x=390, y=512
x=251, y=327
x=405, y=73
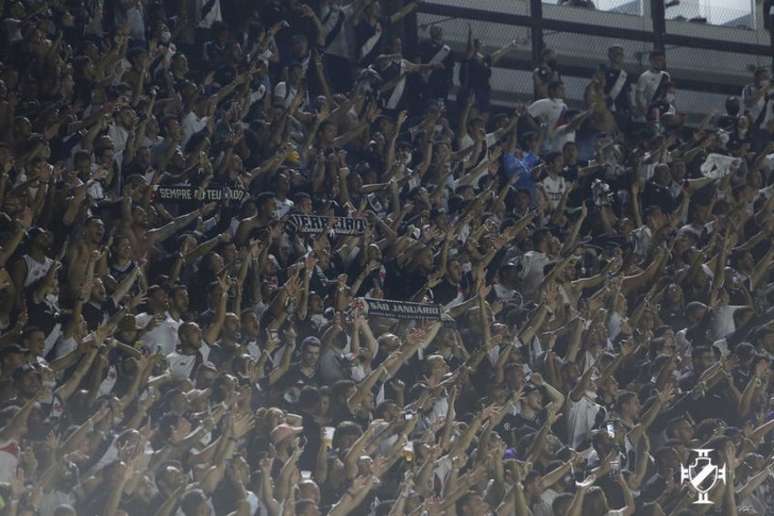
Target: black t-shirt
x=95, y=315
x=655, y=194
x=277, y=11
x=476, y=72
x=514, y=427
x=445, y=292
x=409, y=283
x=295, y=377
x=312, y=430
x=439, y=81
x=42, y=315
x=222, y=357
x=365, y=31
x=547, y=74
x=621, y=102
x=715, y=404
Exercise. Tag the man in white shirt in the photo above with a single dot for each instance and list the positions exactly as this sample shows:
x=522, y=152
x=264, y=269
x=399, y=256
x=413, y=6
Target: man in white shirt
x=286, y=91
x=119, y=133
x=162, y=337
x=191, y=352
x=550, y=112
x=643, y=235
x=534, y=262
x=192, y=124
x=653, y=84
x=582, y=408
x=554, y=184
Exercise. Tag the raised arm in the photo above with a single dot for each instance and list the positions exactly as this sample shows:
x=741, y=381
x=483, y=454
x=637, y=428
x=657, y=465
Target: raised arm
x=169, y=229
x=405, y=11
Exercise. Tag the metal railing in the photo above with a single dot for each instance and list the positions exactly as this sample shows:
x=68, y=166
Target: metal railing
x=713, y=59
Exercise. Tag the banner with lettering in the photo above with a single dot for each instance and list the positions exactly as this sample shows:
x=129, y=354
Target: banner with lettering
x=317, y=224
x=394, y=309
x=184, y=194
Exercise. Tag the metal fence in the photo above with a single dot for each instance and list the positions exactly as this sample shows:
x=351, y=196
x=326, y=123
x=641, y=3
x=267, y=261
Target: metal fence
x=709, y=59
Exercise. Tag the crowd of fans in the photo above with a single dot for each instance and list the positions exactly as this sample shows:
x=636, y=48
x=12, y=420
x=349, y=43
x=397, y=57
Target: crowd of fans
x=173, y=341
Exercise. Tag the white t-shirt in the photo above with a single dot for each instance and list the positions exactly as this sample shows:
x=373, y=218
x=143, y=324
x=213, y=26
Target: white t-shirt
x=533, y=264
x=106, y=387
x=36, y=270
x=192, y=124
x=118, y=137
x=554, y=188
x=642, y=236
x=283, y=95
x=614, y=324
x=440, y=408
x=181, y=366
x=163, y=338
x=283, y=207
x=723, y=323
x=548, y=111
x=541, y=508
x=9, y=460
x=53, y=499
x=136, y=22
x=647, y=85
x=581, y=416
x=65, y=346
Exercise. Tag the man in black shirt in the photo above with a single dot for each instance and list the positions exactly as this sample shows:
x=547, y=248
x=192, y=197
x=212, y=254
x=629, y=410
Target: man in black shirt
x=454, y=284
x=437, y=83
x=306, y=371
x=618, y=86
x=716, y=402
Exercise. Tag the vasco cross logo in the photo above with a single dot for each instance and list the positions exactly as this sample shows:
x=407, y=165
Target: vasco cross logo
x=703, y=475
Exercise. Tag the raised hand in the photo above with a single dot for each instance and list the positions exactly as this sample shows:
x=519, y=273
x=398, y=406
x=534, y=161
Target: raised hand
x=667, y=394
x=242, y=424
